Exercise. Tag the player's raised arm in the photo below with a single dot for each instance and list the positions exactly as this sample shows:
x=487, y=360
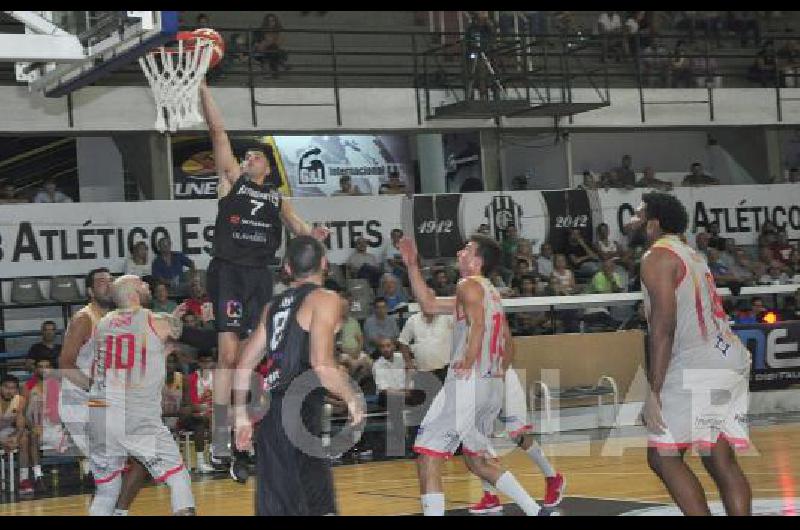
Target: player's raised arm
x=428, y=301
x=227, y=167
x=79, y=330
x=325, y=320
x=297, y=225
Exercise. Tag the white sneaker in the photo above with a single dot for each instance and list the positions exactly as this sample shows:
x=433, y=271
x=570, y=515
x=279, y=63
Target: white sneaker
x=204, y=468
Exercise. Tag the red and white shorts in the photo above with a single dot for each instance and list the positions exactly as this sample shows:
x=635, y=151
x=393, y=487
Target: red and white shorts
x=701, y=406
x=463, y=412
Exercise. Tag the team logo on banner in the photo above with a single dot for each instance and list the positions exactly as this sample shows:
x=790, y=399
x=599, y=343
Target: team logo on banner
x=311, y=170
x=502, y=213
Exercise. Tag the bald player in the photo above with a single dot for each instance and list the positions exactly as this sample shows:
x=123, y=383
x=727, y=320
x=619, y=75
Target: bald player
x=247, y=234
x=125, y=399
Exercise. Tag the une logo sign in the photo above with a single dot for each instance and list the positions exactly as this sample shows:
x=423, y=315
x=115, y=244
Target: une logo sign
x=767, y=351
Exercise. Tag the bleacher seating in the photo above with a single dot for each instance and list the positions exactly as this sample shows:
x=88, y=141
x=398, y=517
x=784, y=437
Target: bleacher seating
x=363, y=296
x=64, y=289
x=26, y=291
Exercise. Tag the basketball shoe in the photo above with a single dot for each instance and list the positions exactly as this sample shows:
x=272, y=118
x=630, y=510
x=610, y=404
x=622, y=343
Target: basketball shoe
x=488, y=504
x=554, y=490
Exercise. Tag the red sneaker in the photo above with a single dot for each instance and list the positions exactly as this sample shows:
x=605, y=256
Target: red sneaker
x=26, y=487
x=488, y=504
x=554, y=490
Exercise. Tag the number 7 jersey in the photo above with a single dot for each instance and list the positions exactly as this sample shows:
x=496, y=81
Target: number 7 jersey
x=129, y=364
x=703, y=337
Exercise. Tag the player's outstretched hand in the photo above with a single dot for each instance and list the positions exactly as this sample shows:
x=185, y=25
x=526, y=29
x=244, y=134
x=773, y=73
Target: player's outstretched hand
x=244, y=434
x=355, y=407
x=651, y=414
x=320, y=233
x=408, y=250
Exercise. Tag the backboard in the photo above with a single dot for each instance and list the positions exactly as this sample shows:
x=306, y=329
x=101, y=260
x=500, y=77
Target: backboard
x=62, y=51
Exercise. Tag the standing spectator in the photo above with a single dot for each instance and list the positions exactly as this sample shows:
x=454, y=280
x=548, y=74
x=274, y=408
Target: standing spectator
x=582, y=258
x=630, y=34
x=362, y=264
x=394, y=186
x=562, y=280
x=626, y=176
x=168, y=265
x=9, y=195
x=268, y=48
x=200, y=393
x=42, y=386
x=391, y=259
x=426, y=343
x=137, y=263
x=161, y=302
x=679, y=68
x=11, y=431
x=346, y=187
x=697, y=177
x=649, y=180
x=480, y=39
x=380, y=324
x=392, y=293
x=544, y=261
x=609, y=26
x=46, y=349
x=50, y=193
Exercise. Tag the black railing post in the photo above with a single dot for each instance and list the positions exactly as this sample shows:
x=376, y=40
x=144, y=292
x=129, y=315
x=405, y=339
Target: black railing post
x=335, y=80
x=251, y=79
x=777, y=87
x=709, y=84
x=427, y=86
x=546, y=76
x=638, y=64
x=416, y=79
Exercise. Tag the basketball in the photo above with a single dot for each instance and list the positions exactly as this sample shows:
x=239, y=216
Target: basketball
x=205, y=33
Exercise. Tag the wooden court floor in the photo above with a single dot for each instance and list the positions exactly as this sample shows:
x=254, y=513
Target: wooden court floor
x=596, y=471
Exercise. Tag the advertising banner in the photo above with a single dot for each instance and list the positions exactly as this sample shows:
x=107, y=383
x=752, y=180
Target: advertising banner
x=776, y=360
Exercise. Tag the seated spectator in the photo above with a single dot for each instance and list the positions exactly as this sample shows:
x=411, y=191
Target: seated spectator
x=604, y=247
x=767, y=257
x=442, y=285
x=760, y=273
x=768, y=234
x=268, y=47
x=762, y=70
x=794, y=263
x=715, y=240
x=743, y=267
x=758, y=307
x=626, y=176
x=191, y=321
x=582, y=259
x=525, y=252
x=790, y=309
x=609, y=27
x=168, y=265
x=697, y=177
x=544, y=261
x=744, y=313
x=496, y=277
x=774, y=276
x=728, y=254
x=638, y=320
x=655, y=65
x=521, y=270
x=607, y=280
x=529, y=322
x=50, y=193
x=680, y=71
x=200, y=394
x=137, y=263
x=8, y=195
x=389, y=369
x=47, y=348
x=723, y=276
x=362, y=264
x=483, y=229
x=380, y=324
x=509, y=247
x=744, y=24
x=781, y=249
x=649, y=180
x=32, y=407
x=199, y=304
x=350, y=338
x=701, y=242
x=391, y=259
x=394, y=186
x=10, y=400
x=705, y=70
x=161, y=302
x=393, y=294
x=562, y=280
x=346, y=187
x=589, y=182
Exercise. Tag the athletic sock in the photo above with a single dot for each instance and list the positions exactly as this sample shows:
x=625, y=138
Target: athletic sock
x=537, y=455
x=37, y=472
x=433, y=504
x=509, y=486
x=23, y=473
x=118, y=511
x=487, y=487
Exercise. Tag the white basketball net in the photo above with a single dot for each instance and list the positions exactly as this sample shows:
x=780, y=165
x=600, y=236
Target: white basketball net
x=174, y=77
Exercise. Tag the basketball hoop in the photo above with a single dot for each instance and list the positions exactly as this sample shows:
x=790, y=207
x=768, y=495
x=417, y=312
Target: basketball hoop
x=174, y=74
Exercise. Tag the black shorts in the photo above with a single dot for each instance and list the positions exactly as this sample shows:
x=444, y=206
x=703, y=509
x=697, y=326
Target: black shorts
x=289, y=481
x=238, y=293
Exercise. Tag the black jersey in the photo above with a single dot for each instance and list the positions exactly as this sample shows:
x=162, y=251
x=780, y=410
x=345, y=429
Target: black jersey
x=248, y=229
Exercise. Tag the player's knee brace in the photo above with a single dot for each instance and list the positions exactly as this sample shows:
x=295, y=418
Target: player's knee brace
x=105, y=497
x=180, y=487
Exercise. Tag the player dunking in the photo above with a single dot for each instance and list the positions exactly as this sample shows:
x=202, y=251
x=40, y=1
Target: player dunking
x=125, y=399
x=464, y=410
x=297, y=332
x=698, y=368
x=75, y=362
x=247, y=233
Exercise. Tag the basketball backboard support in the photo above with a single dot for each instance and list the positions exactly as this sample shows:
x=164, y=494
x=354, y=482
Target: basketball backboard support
x=62, y=51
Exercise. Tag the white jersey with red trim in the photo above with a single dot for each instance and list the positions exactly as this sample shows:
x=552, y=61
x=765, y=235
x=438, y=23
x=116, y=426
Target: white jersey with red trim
x=703, y=337
x=489, y=361
x=129, y=362
x=85, y=355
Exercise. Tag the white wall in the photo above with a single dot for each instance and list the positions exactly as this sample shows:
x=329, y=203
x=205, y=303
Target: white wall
x=104, y=109
x=101, y=176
